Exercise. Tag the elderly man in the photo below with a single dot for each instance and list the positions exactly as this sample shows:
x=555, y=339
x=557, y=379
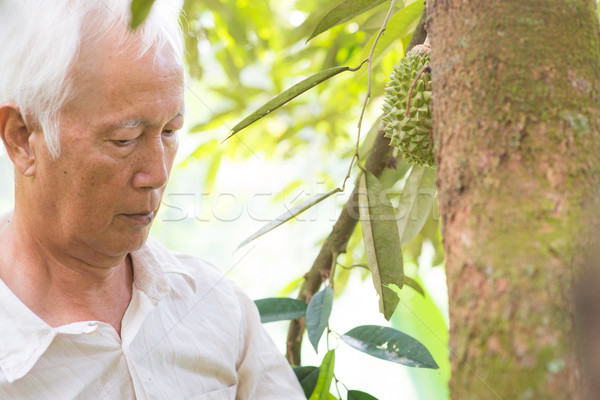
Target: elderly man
x=89, y=308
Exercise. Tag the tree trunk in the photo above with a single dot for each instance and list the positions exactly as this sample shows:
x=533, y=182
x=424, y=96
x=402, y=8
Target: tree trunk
x=516, y=129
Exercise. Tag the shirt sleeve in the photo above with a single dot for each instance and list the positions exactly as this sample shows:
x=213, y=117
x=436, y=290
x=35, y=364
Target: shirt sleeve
x=264, y=374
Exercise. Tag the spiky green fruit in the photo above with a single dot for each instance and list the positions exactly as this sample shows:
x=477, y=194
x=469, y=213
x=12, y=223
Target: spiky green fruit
x=410, y=131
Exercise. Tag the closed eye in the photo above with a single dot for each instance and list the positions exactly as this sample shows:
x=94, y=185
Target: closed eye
x=123, y=143
x=170, y=132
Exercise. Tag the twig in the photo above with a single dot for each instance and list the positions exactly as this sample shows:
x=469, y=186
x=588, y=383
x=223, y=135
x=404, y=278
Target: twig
x=364, y=107
x=359, y=66
x=354, y=266
x=334, y=257
x=327, y=336
x=342, y=230
x=335, y=243
x=337, y=381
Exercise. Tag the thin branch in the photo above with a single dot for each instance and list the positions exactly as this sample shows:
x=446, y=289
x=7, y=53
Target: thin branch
x=336, y=242
x=364, y=107
x=359, y=66
x=354, y=266
x=337, y=382
x=378, y=159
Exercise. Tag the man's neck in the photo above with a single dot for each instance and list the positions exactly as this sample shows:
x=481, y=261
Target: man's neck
x=62, y=289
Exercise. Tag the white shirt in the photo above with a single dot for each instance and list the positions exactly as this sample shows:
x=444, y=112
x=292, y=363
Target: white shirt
x=188, y=333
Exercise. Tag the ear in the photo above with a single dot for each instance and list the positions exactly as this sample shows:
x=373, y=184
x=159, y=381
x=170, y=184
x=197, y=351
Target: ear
x=15, y=135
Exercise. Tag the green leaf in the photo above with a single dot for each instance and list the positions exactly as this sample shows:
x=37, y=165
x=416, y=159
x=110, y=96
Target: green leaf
x=373, y=22
x=410, y=282
x=390, y=176
x=358, y=395
x=382, y=241
x=291, y=286
x=317, y=315
x=289, y=214
x=307, y=376
x=399, y=25
x=321, y=391
x=391, y=345
x=139, y=12
x=341, y=13
x=416, y=202
x=285, y=96
x=280, y=308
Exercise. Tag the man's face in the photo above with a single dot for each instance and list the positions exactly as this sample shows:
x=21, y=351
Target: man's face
x=118, y=142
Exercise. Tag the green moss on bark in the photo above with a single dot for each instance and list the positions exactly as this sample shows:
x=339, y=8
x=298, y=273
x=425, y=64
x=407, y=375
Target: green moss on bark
x=516, y=106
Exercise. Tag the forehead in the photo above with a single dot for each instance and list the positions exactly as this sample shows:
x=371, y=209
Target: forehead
x=112, y=79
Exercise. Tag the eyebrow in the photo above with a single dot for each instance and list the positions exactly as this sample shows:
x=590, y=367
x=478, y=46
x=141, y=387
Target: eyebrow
x=129, y=123
x=136, y=122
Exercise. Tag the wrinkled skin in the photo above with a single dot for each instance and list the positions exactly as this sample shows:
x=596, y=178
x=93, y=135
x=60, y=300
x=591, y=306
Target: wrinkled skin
x=78, y=216
x=97, y=192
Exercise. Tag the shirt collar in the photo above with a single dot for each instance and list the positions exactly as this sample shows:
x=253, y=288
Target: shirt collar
x=151, y=265
x=24, y=337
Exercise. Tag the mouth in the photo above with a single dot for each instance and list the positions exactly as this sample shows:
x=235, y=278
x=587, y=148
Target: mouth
x=143, y=218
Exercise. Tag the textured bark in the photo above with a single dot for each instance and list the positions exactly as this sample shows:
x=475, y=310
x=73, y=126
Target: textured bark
x=516, y=130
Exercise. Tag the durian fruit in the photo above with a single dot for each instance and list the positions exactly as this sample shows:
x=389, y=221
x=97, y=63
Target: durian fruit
x=410, y=132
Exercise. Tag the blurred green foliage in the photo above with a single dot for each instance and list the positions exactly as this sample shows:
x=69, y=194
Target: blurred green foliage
x=244, y=53
x=240, y=54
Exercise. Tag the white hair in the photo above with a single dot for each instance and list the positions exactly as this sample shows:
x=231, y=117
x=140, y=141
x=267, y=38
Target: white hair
x=40, y=41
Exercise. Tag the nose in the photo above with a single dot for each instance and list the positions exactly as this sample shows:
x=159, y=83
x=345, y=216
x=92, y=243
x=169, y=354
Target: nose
x=154, y=164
